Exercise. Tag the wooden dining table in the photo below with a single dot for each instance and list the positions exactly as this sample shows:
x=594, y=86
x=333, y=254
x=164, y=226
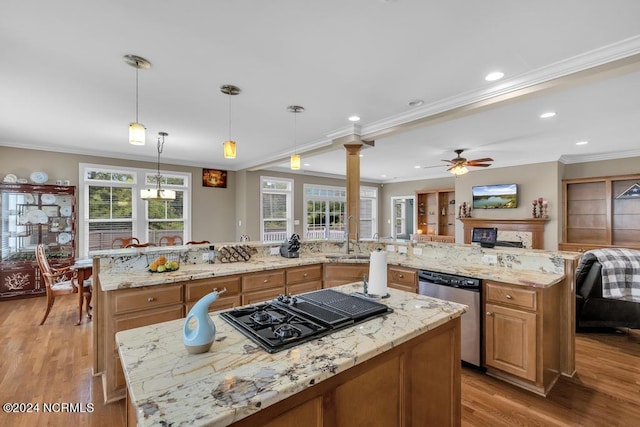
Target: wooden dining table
x=84, y=269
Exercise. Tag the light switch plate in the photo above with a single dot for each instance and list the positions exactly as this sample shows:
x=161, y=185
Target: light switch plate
x=417, y=251
x=402, y=249
x=490, y=259
x=391, y=248
x=274, y=251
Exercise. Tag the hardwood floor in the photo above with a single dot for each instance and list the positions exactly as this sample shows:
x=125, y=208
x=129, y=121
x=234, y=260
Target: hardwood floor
x=51, y=363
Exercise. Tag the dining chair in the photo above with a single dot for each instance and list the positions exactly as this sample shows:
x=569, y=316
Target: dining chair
x=60, y=281
x=170, y=240
x=123, y=242
x=193, y=242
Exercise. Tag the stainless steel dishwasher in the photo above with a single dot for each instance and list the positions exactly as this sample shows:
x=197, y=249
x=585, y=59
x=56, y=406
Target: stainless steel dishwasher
x=463, y=290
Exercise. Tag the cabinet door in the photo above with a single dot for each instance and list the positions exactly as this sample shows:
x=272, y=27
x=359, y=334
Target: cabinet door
x=341, y=274
x=510, y=341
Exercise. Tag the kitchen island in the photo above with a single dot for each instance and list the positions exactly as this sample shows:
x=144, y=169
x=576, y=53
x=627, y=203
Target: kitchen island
x=399, y=369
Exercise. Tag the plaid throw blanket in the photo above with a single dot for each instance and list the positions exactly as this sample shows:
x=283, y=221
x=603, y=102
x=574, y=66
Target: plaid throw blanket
x=620, y=273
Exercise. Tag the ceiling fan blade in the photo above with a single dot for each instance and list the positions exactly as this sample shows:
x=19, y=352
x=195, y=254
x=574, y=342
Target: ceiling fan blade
x=433, y=166
x=450, y=161
x=479, y=165
x=486, y=159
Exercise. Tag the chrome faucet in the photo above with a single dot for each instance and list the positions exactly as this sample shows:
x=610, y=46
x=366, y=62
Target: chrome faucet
x=376, y=236
x=349, y=218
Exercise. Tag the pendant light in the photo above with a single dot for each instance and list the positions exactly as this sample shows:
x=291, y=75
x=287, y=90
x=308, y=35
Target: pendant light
x=295, y=157
x=229, y=146
x=158, y=193
x=136, y=129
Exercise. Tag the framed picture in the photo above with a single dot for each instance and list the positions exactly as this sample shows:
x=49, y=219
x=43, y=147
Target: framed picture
x=214, y=178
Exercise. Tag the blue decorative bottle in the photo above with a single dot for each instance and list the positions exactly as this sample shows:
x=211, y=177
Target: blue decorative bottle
x=200, y=338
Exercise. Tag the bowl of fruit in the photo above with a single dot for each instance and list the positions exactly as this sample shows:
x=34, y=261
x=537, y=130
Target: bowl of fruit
x=163, y=263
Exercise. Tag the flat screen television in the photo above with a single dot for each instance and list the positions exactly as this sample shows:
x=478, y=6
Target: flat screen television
x=502, y=196
x=486, y=236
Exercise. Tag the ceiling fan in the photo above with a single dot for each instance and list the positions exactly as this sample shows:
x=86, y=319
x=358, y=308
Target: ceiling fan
x=459, y=164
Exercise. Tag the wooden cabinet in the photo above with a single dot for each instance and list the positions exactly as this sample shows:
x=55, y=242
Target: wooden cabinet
x=303, y=279
x=128, y=309
x=601, y=212
x=196, y=289
x=341, y=274
x=33, y=214
x=522, y=342
x=436, y=213
x=262, y=286
x=403, y=278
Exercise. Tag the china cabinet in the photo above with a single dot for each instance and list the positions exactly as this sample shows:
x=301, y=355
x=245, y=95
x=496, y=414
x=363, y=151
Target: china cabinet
x=33, y=214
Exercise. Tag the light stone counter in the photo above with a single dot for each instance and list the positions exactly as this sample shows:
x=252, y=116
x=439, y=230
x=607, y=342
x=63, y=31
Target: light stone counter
x=136, y=275
x=236, y=378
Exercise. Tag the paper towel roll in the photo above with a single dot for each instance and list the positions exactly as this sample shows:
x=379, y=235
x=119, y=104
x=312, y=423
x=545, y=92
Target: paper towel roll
x=378, y=273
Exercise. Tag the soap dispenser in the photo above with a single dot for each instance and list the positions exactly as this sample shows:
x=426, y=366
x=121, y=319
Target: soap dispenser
x=200, y=338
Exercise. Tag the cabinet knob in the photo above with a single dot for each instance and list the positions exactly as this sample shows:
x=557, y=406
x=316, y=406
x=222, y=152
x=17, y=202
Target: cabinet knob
x=400, y=276
x=507, y=296
x=304, y=275
x=151, y=299
x=489, y=313
x=265, y=280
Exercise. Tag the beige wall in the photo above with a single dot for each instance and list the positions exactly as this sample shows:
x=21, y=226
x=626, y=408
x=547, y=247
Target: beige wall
x=536, y=180
x=213, y=208
x=626, y=166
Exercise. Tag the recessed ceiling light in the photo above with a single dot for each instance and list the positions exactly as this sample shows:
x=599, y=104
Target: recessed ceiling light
x=416, y=103
x=547, y=115
x=383, y=175
x=416, y=167
x=493, y=76
x=582, y=142
x=361, y=155
x=354, y=118
x=306, y=164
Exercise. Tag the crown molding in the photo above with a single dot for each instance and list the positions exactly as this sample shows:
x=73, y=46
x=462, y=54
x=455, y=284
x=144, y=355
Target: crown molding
x=570, y=159
x=598, y=57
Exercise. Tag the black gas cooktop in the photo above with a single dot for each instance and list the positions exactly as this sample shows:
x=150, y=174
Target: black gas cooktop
x=291, y=320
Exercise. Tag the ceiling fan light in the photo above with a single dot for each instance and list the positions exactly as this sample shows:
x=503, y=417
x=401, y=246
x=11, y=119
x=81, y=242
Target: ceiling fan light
x=459, y=170
x=136, y=133
x=295, y=162
x=229, y=149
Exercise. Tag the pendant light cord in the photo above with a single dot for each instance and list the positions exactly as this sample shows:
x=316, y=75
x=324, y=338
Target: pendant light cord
x=229, y=127
x=137, y=68
x=160, y=148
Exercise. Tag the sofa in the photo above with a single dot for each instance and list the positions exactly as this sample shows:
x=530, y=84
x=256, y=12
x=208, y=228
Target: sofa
x=592, y=309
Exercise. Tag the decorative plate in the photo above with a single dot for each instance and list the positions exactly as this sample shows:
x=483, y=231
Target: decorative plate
x=10, y=178
x=64, y=238
x=39, y=177
x=28, y=199
x=23, y=180
x=65, y=211
x=48, y=199
x=37, y=217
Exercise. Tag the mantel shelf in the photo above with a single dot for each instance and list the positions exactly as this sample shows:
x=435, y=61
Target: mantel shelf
x=535, y=226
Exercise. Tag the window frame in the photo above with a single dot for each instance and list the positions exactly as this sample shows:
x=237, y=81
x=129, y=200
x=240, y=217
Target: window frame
x=289, y=204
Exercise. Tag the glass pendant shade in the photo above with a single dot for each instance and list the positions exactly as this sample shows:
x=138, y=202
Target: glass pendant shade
x=154, y=193
x=295, y=162
x=229, y=149
x=459, y=170
x=136, y=133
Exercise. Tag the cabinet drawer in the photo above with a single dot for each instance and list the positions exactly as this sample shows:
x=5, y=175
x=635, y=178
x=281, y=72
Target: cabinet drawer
x=146, y=298
x=304, y=274
x=518, y=297
x=196, y=290
x=301, y=288
x=260, y=296
x=345, y=272
x=402, y=276
x=145, y=318
x=262, y=281
x=222, y=303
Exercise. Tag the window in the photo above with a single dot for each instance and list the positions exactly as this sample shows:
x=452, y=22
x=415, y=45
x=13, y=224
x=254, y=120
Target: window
x=112, y=205
x=325, y=212
x=276, y=215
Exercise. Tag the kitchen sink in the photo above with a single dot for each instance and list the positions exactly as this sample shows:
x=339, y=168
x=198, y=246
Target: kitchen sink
x=345, y=256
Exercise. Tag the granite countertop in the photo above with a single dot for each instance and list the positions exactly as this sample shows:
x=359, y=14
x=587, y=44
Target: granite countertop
x=236, y=378
x=132, y=278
